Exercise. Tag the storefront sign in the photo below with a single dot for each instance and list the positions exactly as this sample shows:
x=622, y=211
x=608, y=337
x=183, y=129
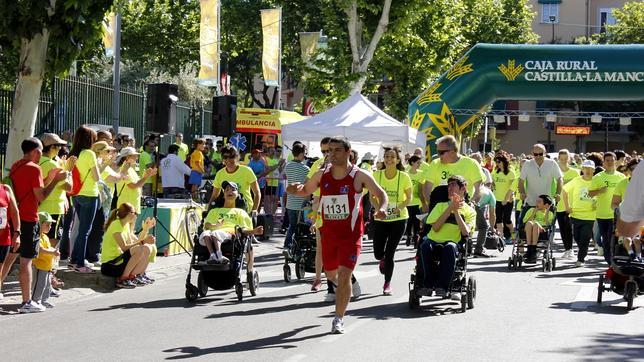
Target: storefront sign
x=573, y=130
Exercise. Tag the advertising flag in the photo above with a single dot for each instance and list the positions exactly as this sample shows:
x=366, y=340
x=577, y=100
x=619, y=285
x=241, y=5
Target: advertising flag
x=109, y=34
x=272, y=46
x=308, y=45
x=209, y=43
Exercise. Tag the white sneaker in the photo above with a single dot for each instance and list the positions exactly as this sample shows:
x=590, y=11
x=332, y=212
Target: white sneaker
x=356, y=291
x=337, y=326
x=329, y=297
x=47, y=304
x=31, y=307
x=566, y=254
x=455, y=296
x=579, y=264
x=600, y=251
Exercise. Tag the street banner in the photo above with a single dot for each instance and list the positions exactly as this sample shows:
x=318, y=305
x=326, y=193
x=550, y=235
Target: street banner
x=272, y=46
x=308, y=45
x=490, y=72
x=209, y=43
x=109, y=34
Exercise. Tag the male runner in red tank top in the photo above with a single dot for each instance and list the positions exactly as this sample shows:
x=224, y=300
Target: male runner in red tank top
x=341, y=186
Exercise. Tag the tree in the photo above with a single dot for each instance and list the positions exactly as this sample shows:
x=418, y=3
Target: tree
x=628, y=27
x=49, y=34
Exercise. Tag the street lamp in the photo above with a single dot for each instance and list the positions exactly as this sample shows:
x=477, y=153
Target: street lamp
x=552, y=21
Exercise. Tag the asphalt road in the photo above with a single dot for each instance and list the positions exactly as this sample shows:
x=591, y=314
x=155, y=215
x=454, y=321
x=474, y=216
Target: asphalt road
x=519, y=315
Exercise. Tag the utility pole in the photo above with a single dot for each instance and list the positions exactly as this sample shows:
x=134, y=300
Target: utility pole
x=117, y=74
x=552, y=21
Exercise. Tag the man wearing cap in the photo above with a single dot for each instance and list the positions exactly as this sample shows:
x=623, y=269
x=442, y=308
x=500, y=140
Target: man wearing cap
x=367, y=162
x=30, y=190
x=55, y=204
x=540, y=174
x=581, y=208
x=183, y=148
x=173, y=172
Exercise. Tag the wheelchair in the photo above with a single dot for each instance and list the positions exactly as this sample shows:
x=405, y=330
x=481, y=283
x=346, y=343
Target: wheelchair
x=544, y=244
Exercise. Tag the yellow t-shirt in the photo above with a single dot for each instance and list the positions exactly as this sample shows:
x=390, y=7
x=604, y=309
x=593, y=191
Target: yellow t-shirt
x=620, y=189
x=315, y=167
x=272, y=178
x=231, y=218
x=604, y=200
x=439, y=172
x=105, y=174
x=86, y=161
x=395, y=189
x=44, y=261
x=183, y=150
x=243, y=177
x=569, y=175
x=502, y=183
x=450, y=230
x=540, y=216
x=128, y=194
x=417, y=179
x=55, y=202
x=145, y=160
x=197, y=161
x=110, y=249
x=583, y=206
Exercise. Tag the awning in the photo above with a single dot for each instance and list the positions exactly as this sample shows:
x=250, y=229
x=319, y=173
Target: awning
x=549, y=1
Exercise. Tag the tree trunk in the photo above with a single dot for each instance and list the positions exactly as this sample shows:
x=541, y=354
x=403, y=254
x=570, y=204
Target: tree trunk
x=31, y=72
x=362, y=57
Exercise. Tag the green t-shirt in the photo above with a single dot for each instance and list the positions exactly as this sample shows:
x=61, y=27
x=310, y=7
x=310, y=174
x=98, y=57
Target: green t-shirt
x=183, y=150
x=55, y=202
x=604, y=200
x=243, y=177
x=231, y=218
x=417, y=179
x=450, y=230
x=110, y=249
x=540, y=216
x=128, y=194
x=439, y=172
x=502, y=183
x=144, y=160
x=583, y=206
x=86, y=161
x=569, y=175
x=395, y=189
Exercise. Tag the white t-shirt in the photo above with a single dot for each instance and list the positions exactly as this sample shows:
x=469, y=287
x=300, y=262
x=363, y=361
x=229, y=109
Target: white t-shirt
x=488, y=176
x=173, y=170
x=539, y=178
x=632, y=207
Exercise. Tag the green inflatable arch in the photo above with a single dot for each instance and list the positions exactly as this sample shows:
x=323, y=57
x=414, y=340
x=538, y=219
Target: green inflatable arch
x=490, y=72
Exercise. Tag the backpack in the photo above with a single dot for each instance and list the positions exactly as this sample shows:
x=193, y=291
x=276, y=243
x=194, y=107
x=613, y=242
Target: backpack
x=77, y=184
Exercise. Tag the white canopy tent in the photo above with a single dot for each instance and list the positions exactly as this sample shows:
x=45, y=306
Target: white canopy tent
x=366, y=126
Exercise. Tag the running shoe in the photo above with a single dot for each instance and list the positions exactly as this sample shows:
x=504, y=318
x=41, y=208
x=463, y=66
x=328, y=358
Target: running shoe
x=381, y=267
x=579, y=264
x=337, y=326
x=145, y=277
x=408, y=241
x=567, y=255
x=317, y=285
x=600, y=251
x=54, y=293
x=356, y=291
x=455, y=296
x=47, y=304
x=329, y=297
x=125, y=284
x=30, y=307
x=386, y=289
x=84, y=270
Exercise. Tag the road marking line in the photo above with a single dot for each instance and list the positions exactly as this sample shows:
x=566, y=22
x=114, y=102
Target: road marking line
x=584, y=298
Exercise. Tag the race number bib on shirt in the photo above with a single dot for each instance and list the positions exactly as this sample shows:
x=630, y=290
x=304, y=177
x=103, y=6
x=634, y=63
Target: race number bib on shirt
x=3, y=217
x=335, y=207
x=392, y=213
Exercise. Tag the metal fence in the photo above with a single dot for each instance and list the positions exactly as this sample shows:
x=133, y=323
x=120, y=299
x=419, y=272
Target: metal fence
x=67, y=103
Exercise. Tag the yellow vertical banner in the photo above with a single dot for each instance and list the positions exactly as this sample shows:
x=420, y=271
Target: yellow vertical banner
x=109, y=34
x=271, y=48
x=308, y=45
x=209, y=43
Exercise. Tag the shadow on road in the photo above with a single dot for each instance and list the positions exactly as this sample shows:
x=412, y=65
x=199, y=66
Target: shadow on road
x=284, y=340
x=401, y=310
x=161, y=304
x=608, y=307
x=609, y=347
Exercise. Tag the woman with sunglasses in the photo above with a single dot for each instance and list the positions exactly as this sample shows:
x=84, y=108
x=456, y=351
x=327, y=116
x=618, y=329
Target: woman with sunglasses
x=242, y=175
x=388, y=232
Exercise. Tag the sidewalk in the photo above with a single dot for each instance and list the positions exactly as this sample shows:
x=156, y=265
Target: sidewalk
x=78, y=285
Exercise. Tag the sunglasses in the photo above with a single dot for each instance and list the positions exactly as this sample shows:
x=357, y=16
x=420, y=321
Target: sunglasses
x=537, y=154
x=325, y=151
x=228, y=157
x=442, y=152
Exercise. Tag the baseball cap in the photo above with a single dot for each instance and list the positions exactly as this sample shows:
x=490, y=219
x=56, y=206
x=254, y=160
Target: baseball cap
x=588, y=163
x=45, y=217
x=231, y=184
x=102, y=146
x=49, y=139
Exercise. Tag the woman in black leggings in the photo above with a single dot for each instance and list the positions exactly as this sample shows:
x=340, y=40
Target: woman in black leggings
x=417, y=177
x=388, y=232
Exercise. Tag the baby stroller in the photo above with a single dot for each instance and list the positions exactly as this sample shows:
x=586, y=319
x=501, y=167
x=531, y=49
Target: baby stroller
x=303, y=248
x=461, y=282
x=221, y=276
x=544, y=245
x=624, y=276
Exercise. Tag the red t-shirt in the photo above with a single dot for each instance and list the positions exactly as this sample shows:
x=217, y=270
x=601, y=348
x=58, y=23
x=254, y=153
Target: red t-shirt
x=341, y=207
x=25, y=177
x=5, y=217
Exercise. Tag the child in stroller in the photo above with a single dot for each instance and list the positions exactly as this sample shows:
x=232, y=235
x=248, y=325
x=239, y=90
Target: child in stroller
x=536, y=220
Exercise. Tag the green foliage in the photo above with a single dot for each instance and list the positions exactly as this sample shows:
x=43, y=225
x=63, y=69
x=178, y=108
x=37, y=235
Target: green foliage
x=629, y=28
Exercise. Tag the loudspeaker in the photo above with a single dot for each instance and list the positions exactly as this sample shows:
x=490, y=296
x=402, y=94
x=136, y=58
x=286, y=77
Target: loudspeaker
x=224, y=115
x=161, y=108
